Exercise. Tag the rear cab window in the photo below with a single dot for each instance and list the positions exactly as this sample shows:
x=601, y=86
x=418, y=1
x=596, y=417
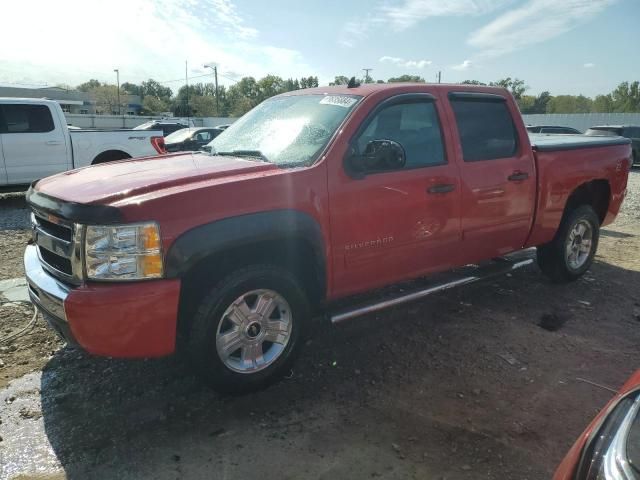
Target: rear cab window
x=26, y=118
x=485, y=126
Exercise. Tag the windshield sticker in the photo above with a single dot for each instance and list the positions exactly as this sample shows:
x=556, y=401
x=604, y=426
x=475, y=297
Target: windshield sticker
x=338, y=100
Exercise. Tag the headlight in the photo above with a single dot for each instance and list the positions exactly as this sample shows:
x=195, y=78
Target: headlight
x=123, y=252
x=613, y=451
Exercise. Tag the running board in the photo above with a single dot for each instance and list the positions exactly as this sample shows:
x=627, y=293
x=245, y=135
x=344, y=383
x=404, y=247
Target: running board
x=499, y=266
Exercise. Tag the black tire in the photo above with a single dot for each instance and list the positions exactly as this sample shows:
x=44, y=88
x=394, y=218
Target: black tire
x=201, y=342
x=552, y=257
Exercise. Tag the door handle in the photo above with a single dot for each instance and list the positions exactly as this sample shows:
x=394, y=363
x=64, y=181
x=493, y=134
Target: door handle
x=441, y=188
x=53, y=142
x=518, y=176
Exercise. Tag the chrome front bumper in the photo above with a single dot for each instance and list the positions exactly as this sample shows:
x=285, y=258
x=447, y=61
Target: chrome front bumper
x=46, y=293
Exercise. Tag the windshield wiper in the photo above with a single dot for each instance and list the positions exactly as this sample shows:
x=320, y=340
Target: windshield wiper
x=243, y=153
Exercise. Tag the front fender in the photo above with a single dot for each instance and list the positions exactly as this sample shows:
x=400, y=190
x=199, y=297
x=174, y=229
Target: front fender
x=213, y=238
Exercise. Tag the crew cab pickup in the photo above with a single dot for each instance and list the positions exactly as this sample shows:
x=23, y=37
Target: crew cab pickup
x=307, y=202
x=35, y=142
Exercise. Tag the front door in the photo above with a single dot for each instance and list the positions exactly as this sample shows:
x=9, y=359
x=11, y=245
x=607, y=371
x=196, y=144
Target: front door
x=400, y=222
x=498, y=177
x=33, y=148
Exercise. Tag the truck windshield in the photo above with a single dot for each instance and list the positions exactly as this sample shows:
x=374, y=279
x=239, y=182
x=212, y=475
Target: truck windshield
x=290, y=130
x=179, y=135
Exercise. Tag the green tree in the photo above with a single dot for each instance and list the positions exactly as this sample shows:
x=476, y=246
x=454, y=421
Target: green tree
x=569, y=104
x=90, y=85
x=132, y=89
x=602, y=104
x=308, y=82
x=203, y=106
x=406, y=78
x=472, y=82
x=154, y=89
x=106, y=99
x=153, y=105
x=626, y=97
x=516, y=86
x=339, y=80
x=269, y=86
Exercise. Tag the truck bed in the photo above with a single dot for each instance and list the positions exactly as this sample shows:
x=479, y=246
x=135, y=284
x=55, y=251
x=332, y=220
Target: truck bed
x=552, y=142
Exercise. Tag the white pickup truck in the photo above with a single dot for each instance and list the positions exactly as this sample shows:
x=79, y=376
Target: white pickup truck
x=35, y=142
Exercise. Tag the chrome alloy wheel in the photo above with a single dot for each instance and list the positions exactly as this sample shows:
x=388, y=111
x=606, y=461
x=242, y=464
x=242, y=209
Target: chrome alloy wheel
x=579, y=244
x=254, y=331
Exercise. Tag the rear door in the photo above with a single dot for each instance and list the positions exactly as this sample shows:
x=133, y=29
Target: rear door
x=403, y=221
x=33, y=147
x=497, y=173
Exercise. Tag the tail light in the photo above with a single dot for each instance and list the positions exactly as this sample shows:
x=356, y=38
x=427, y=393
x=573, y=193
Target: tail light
x=158, y=144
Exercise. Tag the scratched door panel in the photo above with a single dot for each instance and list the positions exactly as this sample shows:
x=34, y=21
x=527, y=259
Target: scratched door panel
x=389, y=228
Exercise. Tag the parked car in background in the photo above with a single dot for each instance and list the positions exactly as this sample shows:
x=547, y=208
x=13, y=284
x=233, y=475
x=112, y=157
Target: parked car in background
x=167, y=127
x=552, y=129
x=190, y=139
x=35, y=142
x=227, y=256
x=223, y=127
x=631, y=132
x=609, y=449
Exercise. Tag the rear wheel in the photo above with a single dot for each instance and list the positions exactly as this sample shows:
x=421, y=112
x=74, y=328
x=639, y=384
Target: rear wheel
x=571, y=252
x=247, y=330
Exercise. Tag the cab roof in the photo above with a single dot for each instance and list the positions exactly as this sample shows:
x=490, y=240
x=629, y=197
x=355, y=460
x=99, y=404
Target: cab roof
x=368, y=89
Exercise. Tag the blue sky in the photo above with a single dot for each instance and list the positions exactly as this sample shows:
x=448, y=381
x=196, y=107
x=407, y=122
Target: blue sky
x=564, y=46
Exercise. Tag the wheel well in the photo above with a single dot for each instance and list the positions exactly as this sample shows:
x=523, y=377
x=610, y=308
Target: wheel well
x=294, y=254
x=595, y=193
x=110, y=156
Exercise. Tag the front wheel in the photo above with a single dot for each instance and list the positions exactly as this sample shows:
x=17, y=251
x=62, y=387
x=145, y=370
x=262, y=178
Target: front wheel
x=247, y=330
x=571, y=252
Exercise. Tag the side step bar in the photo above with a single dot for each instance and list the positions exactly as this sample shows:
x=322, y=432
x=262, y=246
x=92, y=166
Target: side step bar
x=498, y=267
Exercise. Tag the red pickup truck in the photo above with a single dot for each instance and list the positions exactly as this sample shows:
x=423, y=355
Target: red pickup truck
x=312, y=197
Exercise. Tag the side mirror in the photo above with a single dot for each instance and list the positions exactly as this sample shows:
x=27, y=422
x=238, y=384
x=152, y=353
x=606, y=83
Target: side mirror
x=379, y=155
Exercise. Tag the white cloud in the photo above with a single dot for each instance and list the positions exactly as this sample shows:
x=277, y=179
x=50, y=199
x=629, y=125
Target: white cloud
x=534, y=22
x=145, y=38
x=462, y=66
x=404, y=14
x=589, y=65
x=401, y=62
x=225, y=12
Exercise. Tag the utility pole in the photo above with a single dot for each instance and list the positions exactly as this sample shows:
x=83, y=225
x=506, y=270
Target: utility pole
x=214, y=67
x=118, y=81
x=439, y=76
x=366, y=74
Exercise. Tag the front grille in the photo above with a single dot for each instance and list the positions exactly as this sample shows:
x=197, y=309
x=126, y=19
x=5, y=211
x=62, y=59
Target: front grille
x=58, y=262
x=61, y=231
x=57, y=246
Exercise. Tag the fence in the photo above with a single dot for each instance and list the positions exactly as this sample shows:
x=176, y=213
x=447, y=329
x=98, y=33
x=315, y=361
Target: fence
x=130, y=121
x=582, y=121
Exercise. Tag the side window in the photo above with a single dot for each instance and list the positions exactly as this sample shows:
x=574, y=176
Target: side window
x=486, y=129
x=204, y=136
x=413, y=125
x=20, y=118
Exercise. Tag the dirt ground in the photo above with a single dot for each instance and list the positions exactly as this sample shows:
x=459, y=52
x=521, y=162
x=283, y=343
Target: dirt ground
x=463, y=385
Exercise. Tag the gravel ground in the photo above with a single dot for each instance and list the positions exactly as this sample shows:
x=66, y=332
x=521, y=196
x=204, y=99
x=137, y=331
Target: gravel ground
x=463, y=385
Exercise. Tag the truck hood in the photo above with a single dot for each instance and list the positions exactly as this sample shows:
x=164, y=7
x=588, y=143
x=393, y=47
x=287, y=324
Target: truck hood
x=109, y=182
